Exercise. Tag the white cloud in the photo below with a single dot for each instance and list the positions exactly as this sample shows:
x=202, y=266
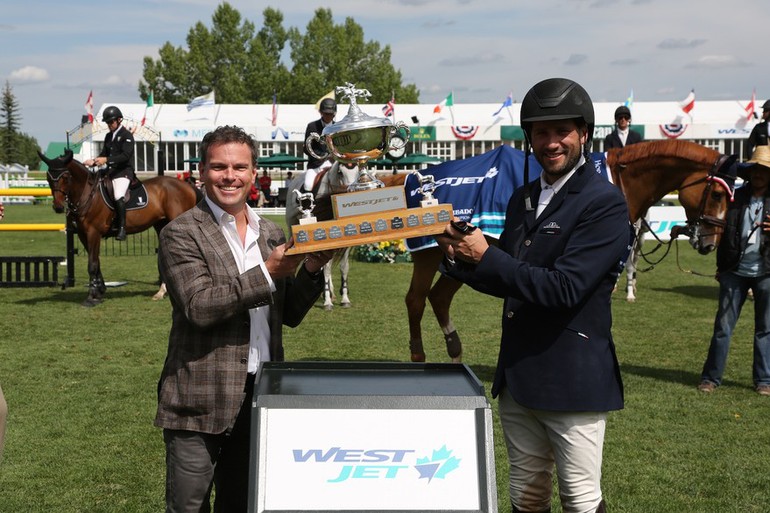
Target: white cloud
x=29, y=75
x=711, y=62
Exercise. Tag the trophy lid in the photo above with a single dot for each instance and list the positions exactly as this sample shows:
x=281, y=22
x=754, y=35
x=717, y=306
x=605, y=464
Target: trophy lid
x=355, y=119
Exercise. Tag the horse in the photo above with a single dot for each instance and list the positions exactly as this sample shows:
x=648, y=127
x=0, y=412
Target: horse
x=77, y=190
x=333, y=180
x=644, y=172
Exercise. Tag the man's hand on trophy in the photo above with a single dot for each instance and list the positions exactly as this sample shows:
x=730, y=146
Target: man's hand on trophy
x=462, y=241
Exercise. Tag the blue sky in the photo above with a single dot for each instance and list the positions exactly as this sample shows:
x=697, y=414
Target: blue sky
x=55, y=52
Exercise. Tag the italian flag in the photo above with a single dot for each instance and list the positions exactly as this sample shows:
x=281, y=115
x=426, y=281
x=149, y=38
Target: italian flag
x=150, y=103
x=446, y=102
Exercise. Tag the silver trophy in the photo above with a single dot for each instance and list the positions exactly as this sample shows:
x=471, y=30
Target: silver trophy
x=358, y=137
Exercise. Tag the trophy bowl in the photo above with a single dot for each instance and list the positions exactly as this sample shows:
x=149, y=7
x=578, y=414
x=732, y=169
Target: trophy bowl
x=358, y=137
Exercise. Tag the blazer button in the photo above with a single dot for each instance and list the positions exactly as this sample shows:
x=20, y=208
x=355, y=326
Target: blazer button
x=527, y=242
x=509, y=315
x=244, y=361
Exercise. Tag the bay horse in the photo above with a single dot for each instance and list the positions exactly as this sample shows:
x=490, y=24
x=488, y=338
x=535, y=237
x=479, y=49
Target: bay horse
x=334, y=180
x=77, y=190
x=644, y=172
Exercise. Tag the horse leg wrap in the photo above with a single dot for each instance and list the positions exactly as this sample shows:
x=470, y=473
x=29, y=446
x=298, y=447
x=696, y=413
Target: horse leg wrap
x=417, y=350
x=454, y=347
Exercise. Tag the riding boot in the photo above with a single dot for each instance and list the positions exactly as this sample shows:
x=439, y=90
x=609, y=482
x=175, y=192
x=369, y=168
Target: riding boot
x=120, y=212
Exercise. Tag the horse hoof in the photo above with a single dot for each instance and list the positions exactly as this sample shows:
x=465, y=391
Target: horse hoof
x=328, y=308
x=457, y=359
x=418, y=357
x=345, y=305
x=158, y=297
x=91, y=302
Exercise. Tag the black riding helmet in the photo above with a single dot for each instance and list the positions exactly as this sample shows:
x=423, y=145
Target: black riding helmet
x=110, y=113
x=551, y=100
x=554, y=99
x=766, y=105
x=622, y=111
x=328, y=106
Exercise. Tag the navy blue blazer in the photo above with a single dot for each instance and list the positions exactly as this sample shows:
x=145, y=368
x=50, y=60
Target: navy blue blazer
x=556, y=275
x=613, y=139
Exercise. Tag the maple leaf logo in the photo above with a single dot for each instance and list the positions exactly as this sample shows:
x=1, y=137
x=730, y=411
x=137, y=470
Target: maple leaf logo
x=438, y=465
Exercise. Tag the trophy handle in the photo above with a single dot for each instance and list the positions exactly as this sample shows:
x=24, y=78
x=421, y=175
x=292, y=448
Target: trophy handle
x=314, y=137
x=394, y=131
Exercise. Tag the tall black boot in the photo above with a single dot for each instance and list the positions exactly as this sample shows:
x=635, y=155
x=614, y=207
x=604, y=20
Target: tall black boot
x=120, y=212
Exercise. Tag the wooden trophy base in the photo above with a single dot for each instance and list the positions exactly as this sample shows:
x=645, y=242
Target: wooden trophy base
x=370, y=227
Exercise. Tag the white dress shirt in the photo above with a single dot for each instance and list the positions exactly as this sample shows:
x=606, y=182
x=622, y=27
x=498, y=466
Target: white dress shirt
x=548, y=190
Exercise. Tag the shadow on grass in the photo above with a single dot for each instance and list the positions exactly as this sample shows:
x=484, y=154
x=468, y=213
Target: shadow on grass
x=676, y=376
x=78, y=295
x=695, y=291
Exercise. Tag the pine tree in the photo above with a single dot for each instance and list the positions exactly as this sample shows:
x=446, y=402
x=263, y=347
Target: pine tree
x=10, y=121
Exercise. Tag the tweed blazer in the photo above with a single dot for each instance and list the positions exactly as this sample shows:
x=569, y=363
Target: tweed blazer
x=555, y=274
x=202, y=384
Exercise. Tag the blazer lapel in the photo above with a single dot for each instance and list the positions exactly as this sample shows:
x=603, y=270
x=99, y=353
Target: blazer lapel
x=210, y=231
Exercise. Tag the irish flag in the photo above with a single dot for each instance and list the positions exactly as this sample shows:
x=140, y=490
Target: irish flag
x=150, y=103
x=446, y=102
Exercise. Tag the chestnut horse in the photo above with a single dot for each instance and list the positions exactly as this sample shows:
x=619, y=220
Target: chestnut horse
x=644, y=172
x=75, y=188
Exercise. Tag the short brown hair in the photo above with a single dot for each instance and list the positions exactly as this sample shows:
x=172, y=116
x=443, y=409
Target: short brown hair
x=228, y=134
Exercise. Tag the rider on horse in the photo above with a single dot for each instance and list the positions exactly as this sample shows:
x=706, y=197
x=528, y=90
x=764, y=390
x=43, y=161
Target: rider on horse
x=118, y=155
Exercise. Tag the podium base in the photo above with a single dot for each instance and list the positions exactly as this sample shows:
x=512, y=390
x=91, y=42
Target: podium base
x=369, y=228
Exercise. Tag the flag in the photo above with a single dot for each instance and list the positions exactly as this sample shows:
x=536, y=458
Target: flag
x=90, y=106
x=330, y=94
x=150, y=103
x=688, y=103
x=200, y=101
x=389, y=108
x=630, y=100
x=446, y=102
x=508, y=102
x=751, y=106
x=274, y=119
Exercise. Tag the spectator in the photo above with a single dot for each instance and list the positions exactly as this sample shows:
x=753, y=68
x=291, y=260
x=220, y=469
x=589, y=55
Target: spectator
x=264, y=184
x=232, y=286
x=555, y=266
x=622, y=135
x=327, y=109
x=758, y=135
x=743, y=264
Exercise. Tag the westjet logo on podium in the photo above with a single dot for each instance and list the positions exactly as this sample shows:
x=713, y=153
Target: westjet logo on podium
x=380, y=463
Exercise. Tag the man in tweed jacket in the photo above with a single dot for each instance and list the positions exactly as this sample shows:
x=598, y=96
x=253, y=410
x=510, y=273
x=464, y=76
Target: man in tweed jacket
x=231, y=287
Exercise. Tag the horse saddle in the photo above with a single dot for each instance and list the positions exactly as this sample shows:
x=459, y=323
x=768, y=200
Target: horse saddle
x=136, y=196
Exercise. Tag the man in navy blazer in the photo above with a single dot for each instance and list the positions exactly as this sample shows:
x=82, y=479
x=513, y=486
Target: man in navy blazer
x=622, y=135
x=566, y=238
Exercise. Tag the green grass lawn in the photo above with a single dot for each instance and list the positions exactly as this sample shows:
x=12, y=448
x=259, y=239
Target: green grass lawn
x=81, y=383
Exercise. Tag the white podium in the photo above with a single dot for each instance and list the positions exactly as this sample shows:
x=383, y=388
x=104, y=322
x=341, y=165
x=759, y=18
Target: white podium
x=371, y=437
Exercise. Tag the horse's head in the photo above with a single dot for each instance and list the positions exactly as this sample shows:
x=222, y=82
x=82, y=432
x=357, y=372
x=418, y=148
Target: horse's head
x=58, y=177
x=705, y=201
x=338, y=178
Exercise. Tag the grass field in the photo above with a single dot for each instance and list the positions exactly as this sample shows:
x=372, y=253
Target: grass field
x=81, y=382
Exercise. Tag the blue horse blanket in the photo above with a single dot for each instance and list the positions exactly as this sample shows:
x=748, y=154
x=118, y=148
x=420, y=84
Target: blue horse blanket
x=479, y=188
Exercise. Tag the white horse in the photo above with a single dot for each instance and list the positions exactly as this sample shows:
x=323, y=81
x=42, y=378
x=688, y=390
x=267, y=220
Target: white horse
x=334, y=180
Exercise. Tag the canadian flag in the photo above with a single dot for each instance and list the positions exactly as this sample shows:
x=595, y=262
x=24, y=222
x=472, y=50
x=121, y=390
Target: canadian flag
x=90, y=106
x=688, y=103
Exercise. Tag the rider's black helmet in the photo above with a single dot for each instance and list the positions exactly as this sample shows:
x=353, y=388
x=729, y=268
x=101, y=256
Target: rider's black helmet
x=554, y=99
x=766, y=105
x=622, y=111
x=328, y=106
x=110, y=113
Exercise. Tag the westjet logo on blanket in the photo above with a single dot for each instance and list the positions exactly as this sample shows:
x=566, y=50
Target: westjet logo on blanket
x=346, y=464
x=456, y=181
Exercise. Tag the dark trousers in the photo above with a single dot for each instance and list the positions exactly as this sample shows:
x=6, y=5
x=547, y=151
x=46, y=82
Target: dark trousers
x=197, y=461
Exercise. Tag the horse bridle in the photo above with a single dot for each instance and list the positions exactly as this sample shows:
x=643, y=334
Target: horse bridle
x=73, y=208
x=726, y=180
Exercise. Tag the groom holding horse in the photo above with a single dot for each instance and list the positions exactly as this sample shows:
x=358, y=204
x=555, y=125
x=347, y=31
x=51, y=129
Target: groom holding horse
x=118, y=155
